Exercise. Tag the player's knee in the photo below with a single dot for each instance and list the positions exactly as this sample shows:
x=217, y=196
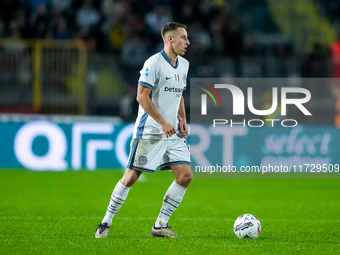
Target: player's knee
x=186, y=178
x=129, y=178
x=189, y=176
x=128, y=181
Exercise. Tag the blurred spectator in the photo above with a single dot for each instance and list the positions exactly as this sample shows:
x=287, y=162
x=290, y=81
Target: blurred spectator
x=2, y=29
x=39, y=14
x=55, y=15
x=117, y=36
x=187, y=14
x=14, y=30
x=61, y=30
x=233, y=39
x=134, y=51
x=330, y=8
x=224, y=17
x=261, y=17
x=248, y=47
x=335, y=53
x=335, y=56
x=36, y=3
x=22, y=23
x=40, y=30
x=128, y=105
x=158, y=18
x=105, y=24
x=284, y=51
x=205, y=12
x=201, y=38
x=88, y=20
x=214, y=25
x=61, y=5
x=217, y=46
x=127, y=16
x=87, y=16
x=112, y=8
x=336, y=93
x=39, y=21
x=315, y=65
x=85, y=35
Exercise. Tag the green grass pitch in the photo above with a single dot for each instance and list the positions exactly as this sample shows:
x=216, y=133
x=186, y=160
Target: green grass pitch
x=57, y=213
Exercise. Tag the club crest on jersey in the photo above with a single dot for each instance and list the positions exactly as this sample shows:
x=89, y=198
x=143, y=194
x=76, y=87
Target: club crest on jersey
x=142, y=160
x=184, y=78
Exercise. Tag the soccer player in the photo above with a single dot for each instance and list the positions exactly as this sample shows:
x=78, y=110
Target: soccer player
x=156, y=142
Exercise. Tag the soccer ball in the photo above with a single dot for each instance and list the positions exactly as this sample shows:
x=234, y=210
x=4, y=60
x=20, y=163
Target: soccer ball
x=247, y=226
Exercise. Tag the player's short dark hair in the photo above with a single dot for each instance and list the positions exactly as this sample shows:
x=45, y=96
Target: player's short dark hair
x=171, y=26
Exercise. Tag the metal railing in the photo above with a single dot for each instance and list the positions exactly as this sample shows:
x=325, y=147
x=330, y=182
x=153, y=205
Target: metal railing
x=53, y=78
x=43, y=76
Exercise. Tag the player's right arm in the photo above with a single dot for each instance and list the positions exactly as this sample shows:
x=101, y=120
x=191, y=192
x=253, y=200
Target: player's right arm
x=148, y=106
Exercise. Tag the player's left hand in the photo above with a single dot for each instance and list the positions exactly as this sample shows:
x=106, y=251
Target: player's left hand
x=183, y=129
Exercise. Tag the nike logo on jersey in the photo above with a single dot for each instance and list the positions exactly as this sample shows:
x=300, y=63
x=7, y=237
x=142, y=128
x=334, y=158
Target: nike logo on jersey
x=168, y=78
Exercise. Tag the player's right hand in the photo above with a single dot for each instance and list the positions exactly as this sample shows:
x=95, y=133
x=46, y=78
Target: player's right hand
x=168, y=129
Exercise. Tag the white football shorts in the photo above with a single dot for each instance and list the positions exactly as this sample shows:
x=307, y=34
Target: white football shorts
x=148, y=154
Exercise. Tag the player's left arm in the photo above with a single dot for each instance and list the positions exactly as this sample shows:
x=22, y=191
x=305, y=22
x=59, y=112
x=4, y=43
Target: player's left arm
x=183, y=126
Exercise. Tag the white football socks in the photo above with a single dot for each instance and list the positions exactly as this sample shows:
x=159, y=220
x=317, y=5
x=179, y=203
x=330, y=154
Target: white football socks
x=118, y=197
x=172, y=199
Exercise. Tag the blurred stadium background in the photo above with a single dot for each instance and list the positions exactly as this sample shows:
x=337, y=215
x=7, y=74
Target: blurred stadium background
x=76, y=64
x=68, y=76
x=84, y=57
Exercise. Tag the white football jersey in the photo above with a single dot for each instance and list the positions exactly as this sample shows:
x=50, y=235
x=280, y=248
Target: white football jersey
x=167, y=83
